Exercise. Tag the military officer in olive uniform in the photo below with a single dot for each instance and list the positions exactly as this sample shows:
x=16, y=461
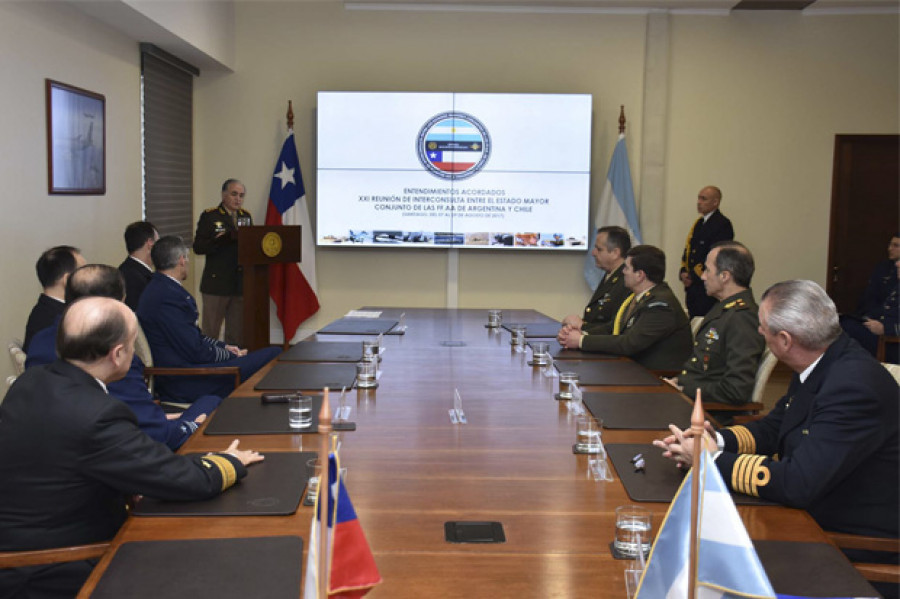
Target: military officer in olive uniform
x=610, y=247
x=727, y=347
x=711, y=227
x=222, y=283
x=650, y=326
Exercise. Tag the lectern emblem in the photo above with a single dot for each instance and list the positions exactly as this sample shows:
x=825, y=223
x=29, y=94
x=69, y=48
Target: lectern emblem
x=271, y=244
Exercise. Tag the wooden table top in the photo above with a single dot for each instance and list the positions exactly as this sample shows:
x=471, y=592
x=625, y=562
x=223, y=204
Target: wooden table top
x=410, y=470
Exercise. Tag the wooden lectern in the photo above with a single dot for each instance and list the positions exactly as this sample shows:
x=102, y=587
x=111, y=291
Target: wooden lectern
x=258, y=247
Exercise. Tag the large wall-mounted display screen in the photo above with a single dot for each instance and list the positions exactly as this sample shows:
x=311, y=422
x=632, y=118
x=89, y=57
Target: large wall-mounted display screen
x=504, y=171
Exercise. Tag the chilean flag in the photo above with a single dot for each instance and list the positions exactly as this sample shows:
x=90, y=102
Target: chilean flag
x=352, y=567
x=292, y=286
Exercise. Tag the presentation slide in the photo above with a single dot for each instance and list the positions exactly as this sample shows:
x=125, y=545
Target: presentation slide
x=504, y=171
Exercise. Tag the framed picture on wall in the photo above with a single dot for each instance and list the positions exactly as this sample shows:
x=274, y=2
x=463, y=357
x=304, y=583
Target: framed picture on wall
x=76, y=140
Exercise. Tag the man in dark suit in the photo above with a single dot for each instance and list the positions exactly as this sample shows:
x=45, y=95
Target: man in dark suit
x=72, y=455
x=139, y=239
x=727, y=346
x=610, y=247
x=710, y=228
x=831, y=444
x=53, y=269
x=650, y=326
x=100, y=280
x=168, y=316
x=222, y=282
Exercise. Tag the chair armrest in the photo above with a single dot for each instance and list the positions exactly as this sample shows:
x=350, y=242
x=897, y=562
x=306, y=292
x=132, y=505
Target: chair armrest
x=666, y=373
x=878, y=572
x=883, y=340
x=752, y=407
x=21, y=559
x=195, y=371
x=851, y=541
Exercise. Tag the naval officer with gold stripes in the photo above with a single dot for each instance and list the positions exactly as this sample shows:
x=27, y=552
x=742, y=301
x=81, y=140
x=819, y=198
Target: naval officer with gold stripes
x=830, y=445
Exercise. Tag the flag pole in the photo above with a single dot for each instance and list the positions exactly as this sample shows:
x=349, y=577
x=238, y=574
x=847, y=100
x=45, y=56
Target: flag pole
x=324, y=493
x=621, y=119
x=290, y=116
x=697, y=435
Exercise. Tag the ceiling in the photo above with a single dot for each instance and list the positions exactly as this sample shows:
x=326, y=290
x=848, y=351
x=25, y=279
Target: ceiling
x=638, y=6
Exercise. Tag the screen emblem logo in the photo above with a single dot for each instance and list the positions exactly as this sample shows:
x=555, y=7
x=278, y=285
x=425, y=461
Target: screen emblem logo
x=453, y=146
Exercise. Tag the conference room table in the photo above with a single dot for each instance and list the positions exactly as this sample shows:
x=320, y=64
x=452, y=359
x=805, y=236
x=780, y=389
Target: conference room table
x=410, y=470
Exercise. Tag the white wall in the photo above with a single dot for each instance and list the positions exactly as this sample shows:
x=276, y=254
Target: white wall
x=41, y=40
x=756, y=100
x=292, y=50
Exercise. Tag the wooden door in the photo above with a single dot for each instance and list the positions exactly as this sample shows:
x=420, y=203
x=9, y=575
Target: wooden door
x=865, y=212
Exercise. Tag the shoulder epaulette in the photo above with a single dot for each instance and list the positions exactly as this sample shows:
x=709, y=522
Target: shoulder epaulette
x=213, y=209
x=739, y=303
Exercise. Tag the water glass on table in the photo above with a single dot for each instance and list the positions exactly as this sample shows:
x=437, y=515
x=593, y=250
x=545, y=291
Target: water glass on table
x=632, y=520
x=299, y=411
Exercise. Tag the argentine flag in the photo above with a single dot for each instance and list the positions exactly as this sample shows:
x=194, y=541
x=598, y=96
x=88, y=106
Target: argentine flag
x=727, y=564
x=616, y=207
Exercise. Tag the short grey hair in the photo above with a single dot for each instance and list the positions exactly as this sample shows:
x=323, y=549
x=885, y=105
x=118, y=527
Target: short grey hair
x=167, y=251
x=804, y=310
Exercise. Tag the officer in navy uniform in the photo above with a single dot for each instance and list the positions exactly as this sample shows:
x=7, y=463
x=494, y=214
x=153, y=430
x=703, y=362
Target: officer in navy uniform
x=878, y=312
x=610, y=247
x=168, y=316
x=100, y=280
x=727, y=346
x=831, y=444
x=222, y=283
x=73, y=455
x=650, y=326
x=711, y=227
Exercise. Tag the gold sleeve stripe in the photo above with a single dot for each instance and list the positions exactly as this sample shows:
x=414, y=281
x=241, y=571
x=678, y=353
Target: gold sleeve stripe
x=749, y=474
x=737, y=474
x=226, y=469
x=745, y=440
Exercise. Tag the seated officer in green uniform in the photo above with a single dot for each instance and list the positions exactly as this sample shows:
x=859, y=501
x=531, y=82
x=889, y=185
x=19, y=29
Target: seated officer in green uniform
x=727, y=346
x=609, y=251
x=650, y=326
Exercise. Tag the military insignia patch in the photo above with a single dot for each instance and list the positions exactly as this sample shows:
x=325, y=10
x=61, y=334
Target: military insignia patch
x=453, y=145
x=712, y=335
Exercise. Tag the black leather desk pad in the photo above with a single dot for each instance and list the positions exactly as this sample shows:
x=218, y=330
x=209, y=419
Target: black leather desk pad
x=304, y=376
x=660, y=479
x=811, y=570
x=361, y=326
x=273, y=487
x=609, y=372
x=220, y=568
x=323, y=351
x=536, y=329
x=249, y=416
x=560, y=353
x=655, y=411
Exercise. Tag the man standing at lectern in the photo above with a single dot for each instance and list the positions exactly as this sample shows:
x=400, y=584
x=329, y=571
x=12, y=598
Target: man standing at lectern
x=709, y=229
x=222, y=283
